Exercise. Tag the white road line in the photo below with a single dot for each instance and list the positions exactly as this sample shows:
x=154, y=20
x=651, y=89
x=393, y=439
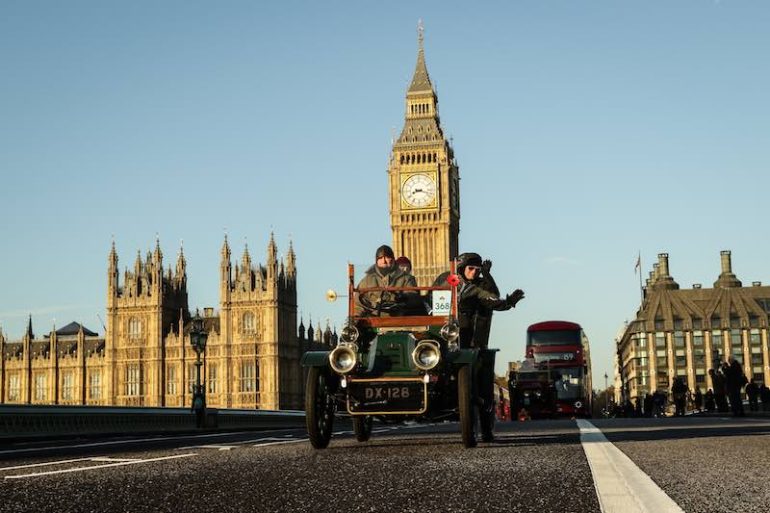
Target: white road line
x=621, y=486
x=217, y=447
x=280, y=442
x=120, y=442
x=106, y=459
x=59, y=462
x=81, y=469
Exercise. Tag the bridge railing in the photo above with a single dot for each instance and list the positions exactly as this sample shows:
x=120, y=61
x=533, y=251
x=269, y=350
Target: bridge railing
x=24, y=422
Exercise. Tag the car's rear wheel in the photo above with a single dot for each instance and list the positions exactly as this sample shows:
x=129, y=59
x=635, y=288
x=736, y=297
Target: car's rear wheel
x=319, y=407
x=466, y=405
x=362, y=427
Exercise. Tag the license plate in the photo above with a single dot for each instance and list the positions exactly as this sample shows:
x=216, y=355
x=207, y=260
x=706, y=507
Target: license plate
x=364, y=397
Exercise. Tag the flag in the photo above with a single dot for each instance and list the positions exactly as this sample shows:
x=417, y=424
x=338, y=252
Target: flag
x=638, y=265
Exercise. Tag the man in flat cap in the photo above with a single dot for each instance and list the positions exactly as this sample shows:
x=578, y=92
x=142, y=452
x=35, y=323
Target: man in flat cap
x=384, y=273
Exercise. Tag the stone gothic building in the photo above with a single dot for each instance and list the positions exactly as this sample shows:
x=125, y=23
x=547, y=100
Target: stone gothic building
x=145, y=358
x=424, y=183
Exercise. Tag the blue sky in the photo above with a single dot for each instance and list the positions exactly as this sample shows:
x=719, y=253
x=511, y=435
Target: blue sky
x=586, y=132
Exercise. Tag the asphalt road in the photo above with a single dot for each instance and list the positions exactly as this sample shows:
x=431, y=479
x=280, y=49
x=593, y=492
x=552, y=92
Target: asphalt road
x=702, y=464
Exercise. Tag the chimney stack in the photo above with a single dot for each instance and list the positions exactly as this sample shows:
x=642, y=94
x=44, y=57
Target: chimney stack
x=727, y=279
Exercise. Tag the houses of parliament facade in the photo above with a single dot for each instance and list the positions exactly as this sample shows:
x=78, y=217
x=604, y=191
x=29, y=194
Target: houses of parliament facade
x=145, y=357
x=254, y=344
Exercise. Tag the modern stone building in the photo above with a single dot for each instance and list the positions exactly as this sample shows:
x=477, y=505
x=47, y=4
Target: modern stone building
x=145, y=358
x=424, y=183
x=684, y=332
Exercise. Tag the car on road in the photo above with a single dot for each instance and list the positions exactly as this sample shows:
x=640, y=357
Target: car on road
x=399, y=361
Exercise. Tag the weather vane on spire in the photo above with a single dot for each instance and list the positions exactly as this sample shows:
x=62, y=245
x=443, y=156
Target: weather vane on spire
x=420, y=32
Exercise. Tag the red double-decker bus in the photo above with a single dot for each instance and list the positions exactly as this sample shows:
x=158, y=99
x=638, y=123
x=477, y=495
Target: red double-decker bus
x=561, y=348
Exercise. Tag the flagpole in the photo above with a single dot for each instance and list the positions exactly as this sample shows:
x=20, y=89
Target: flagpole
x=641, y=289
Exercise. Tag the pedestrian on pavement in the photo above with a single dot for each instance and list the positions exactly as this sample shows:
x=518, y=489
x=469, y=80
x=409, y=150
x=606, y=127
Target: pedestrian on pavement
x=720, y=392
x=697, y=400
x=648, y=405
x=658, y=403
x=710, y=404
x=752, y=392
x=734, y=381
x=679, y=391
x=764, y=396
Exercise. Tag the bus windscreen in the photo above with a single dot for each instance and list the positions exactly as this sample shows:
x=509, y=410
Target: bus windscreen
x=568, y=383
x=553, y=338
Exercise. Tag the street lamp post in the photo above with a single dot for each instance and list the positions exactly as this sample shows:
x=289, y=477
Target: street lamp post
x=606, y=394
x=198, y=338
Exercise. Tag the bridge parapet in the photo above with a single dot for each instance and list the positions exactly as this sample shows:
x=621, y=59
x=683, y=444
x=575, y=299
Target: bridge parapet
x=24, y=422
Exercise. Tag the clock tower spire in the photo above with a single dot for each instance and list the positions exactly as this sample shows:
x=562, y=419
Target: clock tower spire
x=424, y=195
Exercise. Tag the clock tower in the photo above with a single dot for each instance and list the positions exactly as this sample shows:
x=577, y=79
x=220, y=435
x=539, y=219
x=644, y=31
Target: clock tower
x=424, y=192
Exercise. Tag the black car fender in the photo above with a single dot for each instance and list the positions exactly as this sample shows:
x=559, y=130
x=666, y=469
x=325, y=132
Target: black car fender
x=315, y=359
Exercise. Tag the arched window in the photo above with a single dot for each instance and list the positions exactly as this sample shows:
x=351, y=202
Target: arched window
x=134, y=328
x=249, y=324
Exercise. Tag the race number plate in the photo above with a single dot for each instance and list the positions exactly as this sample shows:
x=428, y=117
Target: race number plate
x=386, y=397
x=442, y=302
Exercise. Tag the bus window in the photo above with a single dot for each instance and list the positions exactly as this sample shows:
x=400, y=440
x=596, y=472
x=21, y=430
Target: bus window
x=553, y=338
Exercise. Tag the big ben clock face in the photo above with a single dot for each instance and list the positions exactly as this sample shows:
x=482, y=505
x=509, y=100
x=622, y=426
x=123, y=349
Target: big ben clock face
x=419, y=191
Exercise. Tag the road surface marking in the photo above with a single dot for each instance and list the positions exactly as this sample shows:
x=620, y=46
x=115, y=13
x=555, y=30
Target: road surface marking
x=280, y=441
x=120, y=442
x=47, y=463
x=81, y=469
x=212, y=446
x=620, y=485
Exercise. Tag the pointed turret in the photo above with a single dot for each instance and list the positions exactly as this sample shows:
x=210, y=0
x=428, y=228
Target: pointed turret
x=310, y=330
x=157, y=254
x=138, y=263
x=291, y=262
x=272, y=259
x=245, y=260
x=112, y=272
x=113, y=258
x=420, y=80
x=181, y=269
x=327, y=334
x=225, y=272
x=29, y=333
x=181, y=262
x=225, y=252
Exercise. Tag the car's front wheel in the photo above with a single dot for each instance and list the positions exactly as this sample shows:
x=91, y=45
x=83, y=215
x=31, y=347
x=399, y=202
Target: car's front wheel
x=319, y=407
x=466, y=405
x=362, y=427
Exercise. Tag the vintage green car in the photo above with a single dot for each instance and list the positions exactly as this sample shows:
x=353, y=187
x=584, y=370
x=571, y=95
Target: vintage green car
x=395, y=362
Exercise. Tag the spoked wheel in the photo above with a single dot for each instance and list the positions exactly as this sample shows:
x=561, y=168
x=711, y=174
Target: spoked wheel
x=362, y=427
x=467, y=405
x=319, y=408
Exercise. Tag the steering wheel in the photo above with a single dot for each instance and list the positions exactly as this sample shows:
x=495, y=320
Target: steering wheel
x=390, y=307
